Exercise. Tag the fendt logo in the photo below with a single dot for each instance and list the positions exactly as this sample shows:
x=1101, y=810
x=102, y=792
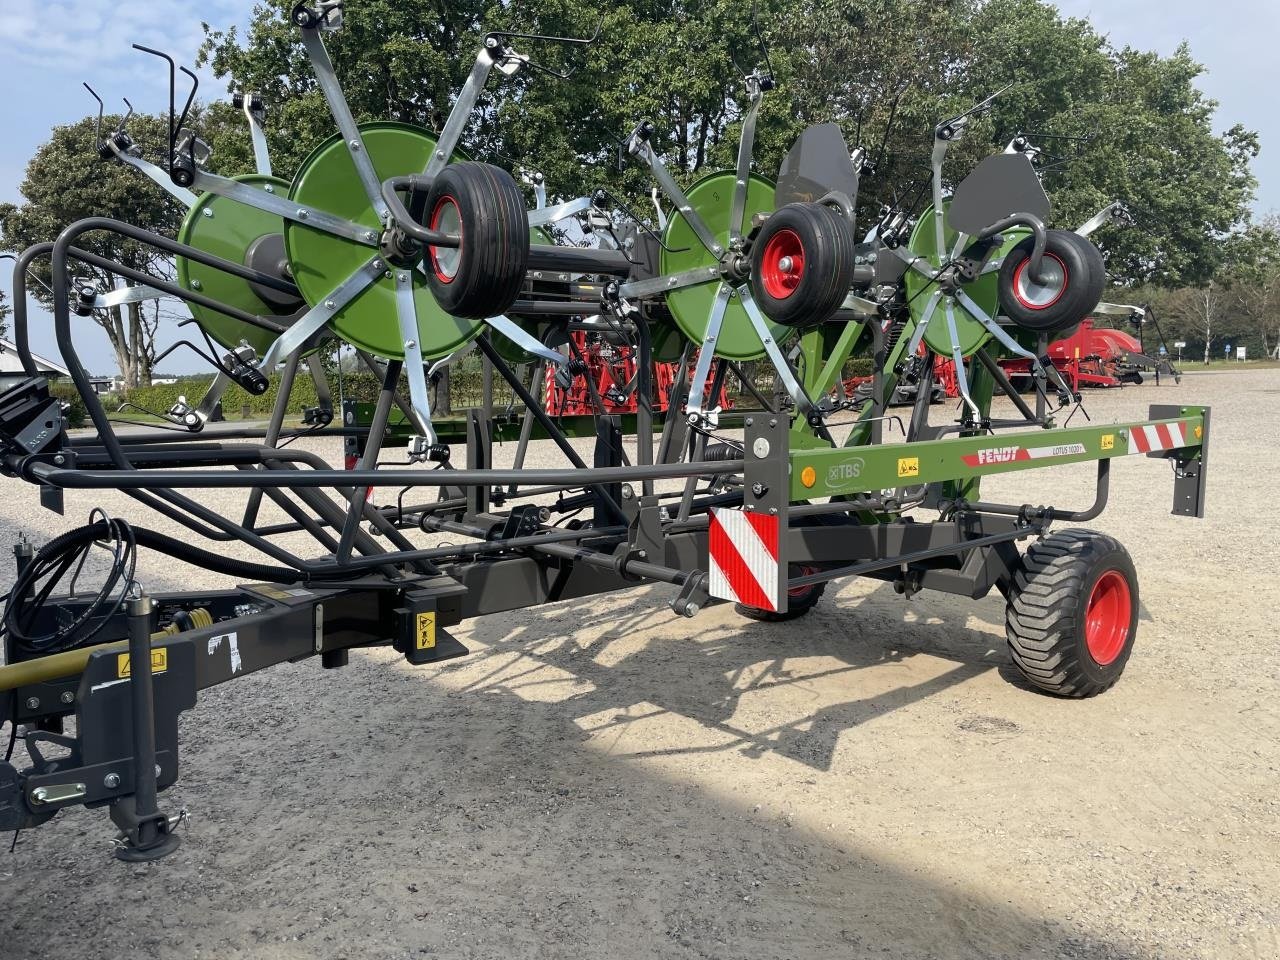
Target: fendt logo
x=846, y=472
x=996, y=455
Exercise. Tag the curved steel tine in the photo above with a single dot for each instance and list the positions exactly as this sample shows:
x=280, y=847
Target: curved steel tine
x=173, y=133
x=127, y=117
x=97, y=130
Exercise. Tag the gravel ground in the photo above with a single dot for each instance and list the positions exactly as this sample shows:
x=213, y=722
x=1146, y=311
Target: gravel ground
x=603, y=779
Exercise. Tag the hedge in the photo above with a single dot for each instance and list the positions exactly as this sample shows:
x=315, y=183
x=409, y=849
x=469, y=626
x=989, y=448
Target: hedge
x=75, y=412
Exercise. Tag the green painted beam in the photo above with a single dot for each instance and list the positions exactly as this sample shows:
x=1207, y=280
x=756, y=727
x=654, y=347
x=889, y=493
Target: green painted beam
x=828, y=473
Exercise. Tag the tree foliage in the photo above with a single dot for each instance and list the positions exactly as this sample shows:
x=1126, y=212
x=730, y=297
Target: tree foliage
x=1116, y=123
x=1119, y=123
x=66, y=181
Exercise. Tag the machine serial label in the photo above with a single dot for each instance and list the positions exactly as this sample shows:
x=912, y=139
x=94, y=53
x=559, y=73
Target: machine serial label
x=425, y=638
x=908, y=466
x=159, y=662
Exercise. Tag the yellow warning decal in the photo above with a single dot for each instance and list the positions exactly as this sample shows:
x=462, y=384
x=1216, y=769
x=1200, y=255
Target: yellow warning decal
x=1199, y=431
x=908, y=466
x=426, y=631
x=159, y=662
x=1108, y=441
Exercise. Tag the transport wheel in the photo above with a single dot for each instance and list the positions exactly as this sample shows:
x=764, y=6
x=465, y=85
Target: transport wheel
x=1071, y=285
x=802, y=599
x=802, y=264
x=1073, y=613
x=483, y=205
x=799, y=600
x=319, y=261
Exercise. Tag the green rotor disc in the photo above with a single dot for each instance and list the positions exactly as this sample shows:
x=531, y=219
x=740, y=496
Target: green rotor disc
x=712, y=198
x=227, y=228
x=327, y=180
x=984, y=291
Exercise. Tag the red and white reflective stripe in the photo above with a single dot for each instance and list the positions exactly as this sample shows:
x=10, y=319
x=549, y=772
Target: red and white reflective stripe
x=1158, y=436
x=743, y=561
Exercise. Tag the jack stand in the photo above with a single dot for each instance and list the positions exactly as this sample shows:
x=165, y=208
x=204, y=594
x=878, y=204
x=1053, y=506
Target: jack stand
x=145, y=831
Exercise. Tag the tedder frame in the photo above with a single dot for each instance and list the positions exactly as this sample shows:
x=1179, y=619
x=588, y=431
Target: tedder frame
x=761, y=505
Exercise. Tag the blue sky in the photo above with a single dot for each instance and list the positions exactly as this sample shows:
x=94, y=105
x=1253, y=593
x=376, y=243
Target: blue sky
x=48, y=48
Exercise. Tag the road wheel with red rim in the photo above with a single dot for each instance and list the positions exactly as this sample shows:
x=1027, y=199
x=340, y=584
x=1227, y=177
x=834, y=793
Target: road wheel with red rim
x=800, y=600
x=802, y=264
x=1073, y=613
x=482, y=206
x=1070, y=284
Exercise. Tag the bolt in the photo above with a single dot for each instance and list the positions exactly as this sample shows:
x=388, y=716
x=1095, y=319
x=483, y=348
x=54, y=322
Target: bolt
x=111, y=781
x=773, y=423
x=410, y=344
x=537, y=275
x=773, y=509
x=371, y=236
x=269, y=188
x=196, y=285
x=627, y=492
x=692, y=608
x=208, y=213
x=59, y=460
x=402, y=277
x=377, y=265
x=355, y=144
x=330, y=304
x=33, y=703
x=39, y=795
x=785, y=264
x=439, y=154
x=750, y=421
x=68, y=696
x=302, y=214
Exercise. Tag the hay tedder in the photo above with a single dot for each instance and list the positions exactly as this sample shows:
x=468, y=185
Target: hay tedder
x=390, y=242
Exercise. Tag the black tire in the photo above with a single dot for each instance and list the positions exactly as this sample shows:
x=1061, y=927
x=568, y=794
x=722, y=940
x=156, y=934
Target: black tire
x=482, y=277
x=802, y=264
x=806, y=598
x=1076, y=278
x=1072, y=614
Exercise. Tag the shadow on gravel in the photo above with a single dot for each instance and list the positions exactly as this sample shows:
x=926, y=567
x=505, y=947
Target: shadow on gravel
x=382, y=811
x=732, y=664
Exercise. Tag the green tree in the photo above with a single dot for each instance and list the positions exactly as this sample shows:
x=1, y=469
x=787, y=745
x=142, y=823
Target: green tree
x=4, y=315
x=66, y=181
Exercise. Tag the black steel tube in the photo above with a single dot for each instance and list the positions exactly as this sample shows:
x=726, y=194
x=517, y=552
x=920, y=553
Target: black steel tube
x=142, y=696
x=883, y=563
x=547, y=424
x=62, y=307
x=213, y=480
x=1053, y=514
x=578, y=260
x=1002, y=381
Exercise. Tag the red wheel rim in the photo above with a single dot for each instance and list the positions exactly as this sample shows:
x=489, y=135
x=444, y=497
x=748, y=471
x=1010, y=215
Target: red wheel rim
x=782, y=264
x=1107, y=617
x=447, y=218
x=1038, y=296
x=799, y=570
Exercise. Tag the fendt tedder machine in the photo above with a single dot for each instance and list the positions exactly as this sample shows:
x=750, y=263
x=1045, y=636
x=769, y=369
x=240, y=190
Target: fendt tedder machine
x=389, y=241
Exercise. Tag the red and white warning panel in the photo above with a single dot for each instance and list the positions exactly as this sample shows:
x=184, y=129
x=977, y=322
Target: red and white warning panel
x=1159, y=436
x=743, y=563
